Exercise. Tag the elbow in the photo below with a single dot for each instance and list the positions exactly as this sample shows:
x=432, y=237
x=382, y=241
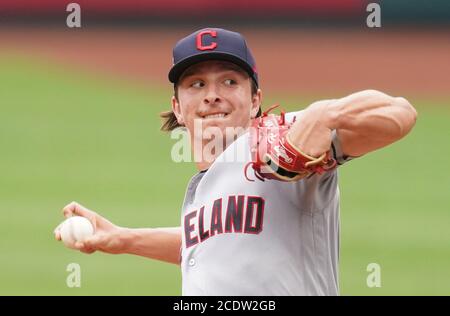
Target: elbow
x=408, y=114
x=409, y=111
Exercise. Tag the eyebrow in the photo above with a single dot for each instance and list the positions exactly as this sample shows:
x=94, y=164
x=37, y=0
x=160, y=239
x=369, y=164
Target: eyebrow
x=187, y=73
x=226, y=67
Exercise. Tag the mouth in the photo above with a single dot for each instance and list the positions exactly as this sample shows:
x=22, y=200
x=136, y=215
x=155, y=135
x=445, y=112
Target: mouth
x=215, y=116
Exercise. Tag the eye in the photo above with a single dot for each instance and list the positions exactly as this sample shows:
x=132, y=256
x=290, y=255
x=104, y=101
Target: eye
x=198, y=84
x=230, y=82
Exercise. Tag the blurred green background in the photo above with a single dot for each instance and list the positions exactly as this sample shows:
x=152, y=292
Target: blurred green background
x=72, y=133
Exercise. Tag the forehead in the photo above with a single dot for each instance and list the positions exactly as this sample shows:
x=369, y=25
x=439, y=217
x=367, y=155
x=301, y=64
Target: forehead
x=212, y=66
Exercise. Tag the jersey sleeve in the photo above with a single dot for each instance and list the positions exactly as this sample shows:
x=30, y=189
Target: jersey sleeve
x=336, y=150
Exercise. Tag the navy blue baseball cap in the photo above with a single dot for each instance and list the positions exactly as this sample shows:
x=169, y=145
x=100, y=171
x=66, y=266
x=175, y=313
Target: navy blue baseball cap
x=212, y=44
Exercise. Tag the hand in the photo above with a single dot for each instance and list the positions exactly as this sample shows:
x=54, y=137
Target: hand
x=311, y=132
x=107, y=236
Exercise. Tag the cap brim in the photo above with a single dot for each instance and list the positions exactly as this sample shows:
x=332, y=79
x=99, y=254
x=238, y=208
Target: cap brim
x=178, y=69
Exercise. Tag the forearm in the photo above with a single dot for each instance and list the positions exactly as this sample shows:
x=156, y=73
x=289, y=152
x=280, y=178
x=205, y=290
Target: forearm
x=155, y=243
x=372, y=114
x=364, y=121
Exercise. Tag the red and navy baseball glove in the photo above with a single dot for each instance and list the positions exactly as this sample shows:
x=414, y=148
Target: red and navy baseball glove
x=275, y=157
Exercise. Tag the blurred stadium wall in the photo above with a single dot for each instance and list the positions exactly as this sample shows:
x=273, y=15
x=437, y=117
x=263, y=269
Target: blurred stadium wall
x=262, y=11
x=302, y=46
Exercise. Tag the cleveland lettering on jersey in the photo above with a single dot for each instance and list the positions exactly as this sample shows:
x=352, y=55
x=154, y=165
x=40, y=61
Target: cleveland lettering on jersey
x=235, y=214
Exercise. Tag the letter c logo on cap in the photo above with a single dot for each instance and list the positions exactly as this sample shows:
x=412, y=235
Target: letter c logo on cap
x=200, y=37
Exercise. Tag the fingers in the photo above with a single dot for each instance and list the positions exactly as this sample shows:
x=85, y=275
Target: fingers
x=57, y=232
x=84, y=248
x=75, y=208
x=89, y=245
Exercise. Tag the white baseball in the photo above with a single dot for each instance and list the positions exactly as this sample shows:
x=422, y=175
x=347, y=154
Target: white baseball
x=75, y=228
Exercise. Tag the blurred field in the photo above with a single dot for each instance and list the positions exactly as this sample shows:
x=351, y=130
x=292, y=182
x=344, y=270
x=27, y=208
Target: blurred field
x=65, y=138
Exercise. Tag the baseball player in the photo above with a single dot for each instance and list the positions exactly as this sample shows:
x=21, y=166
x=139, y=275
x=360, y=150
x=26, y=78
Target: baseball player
x=267, y=224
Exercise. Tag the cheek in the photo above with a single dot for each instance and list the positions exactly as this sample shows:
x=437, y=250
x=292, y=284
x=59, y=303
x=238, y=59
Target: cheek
x=187, y=107
x=241, y=115
x=243, y=111
x=243, y=104
x=188, y=119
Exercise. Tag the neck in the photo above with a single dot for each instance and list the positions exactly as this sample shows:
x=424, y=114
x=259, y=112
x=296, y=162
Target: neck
x=201, y=166
x=206, y=153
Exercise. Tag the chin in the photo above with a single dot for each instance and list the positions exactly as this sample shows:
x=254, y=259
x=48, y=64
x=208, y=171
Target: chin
x=220, y=125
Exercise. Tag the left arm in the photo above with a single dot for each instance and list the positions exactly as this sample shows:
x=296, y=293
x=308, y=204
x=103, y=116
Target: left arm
x=364, y=121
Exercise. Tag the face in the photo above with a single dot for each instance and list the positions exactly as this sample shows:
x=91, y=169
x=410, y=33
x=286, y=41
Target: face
x=218, y=94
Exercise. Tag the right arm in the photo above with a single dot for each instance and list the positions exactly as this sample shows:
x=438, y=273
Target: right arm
x=162, y=244
x=155, y=243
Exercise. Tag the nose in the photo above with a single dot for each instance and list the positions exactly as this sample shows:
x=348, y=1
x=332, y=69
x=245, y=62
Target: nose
x=212, y=96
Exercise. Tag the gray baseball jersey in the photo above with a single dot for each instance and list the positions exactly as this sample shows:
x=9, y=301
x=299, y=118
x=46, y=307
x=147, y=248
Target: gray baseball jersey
x=260, y=238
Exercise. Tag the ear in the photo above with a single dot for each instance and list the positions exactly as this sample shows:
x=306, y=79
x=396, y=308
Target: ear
x=256, y=103
x=177, y=110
